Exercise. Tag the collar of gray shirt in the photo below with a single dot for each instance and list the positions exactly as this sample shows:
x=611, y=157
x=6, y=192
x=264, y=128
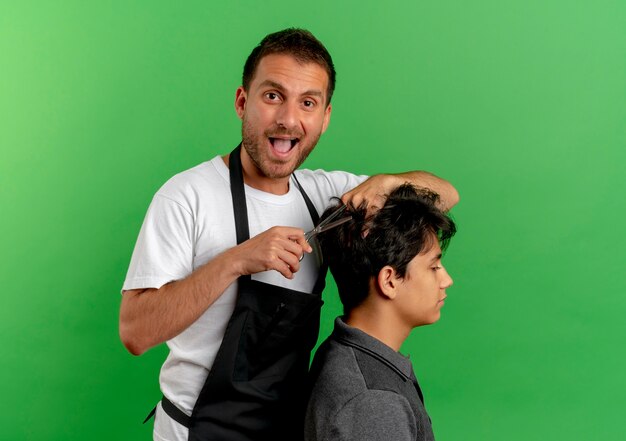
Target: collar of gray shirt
x=360, y=340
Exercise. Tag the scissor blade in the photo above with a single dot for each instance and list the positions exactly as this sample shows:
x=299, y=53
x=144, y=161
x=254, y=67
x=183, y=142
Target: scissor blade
x=334, y=224
x=330, y=218
x=328, y=223
x=311, y=234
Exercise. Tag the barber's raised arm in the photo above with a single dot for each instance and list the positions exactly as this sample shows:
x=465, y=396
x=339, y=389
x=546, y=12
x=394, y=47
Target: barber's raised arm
x=375, y=189
x=152, y=316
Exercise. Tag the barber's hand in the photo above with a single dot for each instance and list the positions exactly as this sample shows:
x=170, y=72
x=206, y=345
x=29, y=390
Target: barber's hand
x=372, y=192
x=278, y=248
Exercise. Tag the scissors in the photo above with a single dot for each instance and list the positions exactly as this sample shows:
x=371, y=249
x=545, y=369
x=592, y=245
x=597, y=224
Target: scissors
x=332, y=221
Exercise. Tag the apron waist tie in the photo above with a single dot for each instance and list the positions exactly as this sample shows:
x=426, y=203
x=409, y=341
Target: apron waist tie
x=174, y=412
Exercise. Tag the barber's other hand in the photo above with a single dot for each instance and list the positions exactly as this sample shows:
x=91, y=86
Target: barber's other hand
x=372, y=192
x=278, y=248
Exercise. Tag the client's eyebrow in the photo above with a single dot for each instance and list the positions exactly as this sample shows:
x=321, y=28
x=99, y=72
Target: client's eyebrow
x=436, y=258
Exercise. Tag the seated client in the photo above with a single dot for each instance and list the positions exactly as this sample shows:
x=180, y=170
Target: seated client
x=390, y=278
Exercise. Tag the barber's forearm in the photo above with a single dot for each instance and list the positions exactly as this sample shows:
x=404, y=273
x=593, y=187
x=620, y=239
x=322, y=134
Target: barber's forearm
x=153, y=316
x=150, y=317
x=448, y=195
x=373, y=192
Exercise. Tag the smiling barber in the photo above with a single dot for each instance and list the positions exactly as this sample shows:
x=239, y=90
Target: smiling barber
x=215, y=271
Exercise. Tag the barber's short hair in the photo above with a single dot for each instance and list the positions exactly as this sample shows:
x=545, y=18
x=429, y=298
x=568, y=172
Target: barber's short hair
x=404, y=227
x=300, y=44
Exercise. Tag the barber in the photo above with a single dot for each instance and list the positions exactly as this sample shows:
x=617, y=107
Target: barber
x=216, y=270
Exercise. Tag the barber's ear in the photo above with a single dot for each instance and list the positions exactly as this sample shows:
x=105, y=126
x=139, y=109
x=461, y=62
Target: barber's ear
x=388, y=282
x=241, y=98
x=326, y=120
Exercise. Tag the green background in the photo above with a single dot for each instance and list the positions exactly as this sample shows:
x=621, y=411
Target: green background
x=520, y=104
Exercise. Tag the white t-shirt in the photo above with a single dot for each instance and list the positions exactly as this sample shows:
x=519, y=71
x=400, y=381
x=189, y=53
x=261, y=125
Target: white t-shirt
x=189, y=222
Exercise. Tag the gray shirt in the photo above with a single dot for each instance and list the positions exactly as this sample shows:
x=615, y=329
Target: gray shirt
x=363, y=390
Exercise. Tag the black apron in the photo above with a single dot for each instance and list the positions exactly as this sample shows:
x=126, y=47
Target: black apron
x=256, y=389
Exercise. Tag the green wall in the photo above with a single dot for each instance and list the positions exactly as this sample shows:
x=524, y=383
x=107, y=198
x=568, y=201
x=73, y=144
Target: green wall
x=521, y=104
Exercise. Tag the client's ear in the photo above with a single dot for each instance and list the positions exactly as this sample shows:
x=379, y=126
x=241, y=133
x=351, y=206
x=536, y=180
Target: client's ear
x=388, y=281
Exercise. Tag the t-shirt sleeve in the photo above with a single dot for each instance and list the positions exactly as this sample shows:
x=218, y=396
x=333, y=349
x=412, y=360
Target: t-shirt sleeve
x=375, y=415
x=164, y=248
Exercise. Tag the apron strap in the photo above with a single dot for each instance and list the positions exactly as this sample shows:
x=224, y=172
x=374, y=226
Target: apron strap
x=312, y=211
x=150, y=415
x=174, y=412
x=238, y=195
x=320, y=283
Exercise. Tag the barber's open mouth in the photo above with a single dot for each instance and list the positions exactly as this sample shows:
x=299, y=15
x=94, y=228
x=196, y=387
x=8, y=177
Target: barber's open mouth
x=283, y=145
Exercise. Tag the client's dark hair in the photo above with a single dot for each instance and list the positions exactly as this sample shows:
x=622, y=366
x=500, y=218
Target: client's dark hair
x=404, y=227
